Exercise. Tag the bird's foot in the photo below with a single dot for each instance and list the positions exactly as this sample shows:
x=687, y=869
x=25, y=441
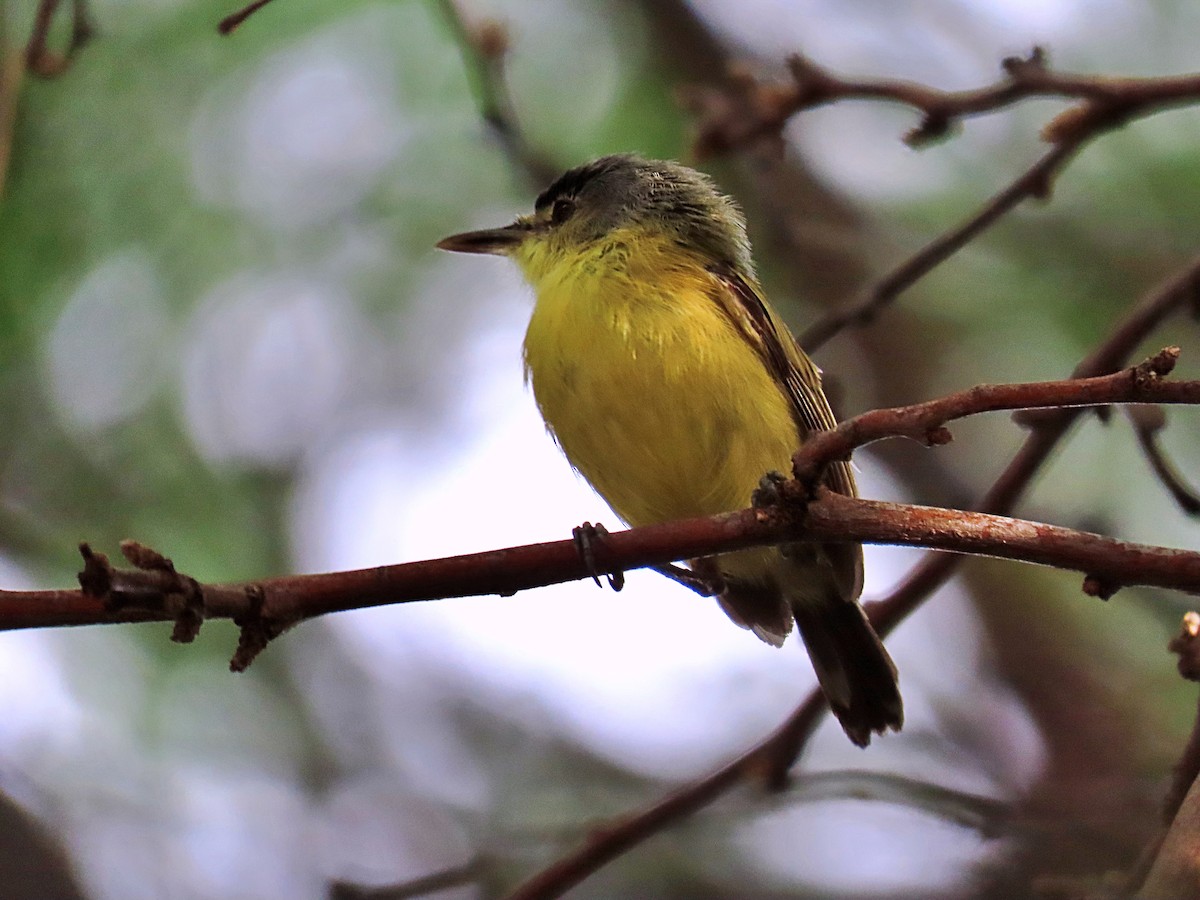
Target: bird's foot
x=587, y=537
x=769, y=491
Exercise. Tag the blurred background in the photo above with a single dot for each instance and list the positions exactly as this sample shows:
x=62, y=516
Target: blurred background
x=224, y=332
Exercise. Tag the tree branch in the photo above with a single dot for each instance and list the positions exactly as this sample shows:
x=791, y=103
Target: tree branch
x=925, y=422
x=153, y=589
x=1147, y=422
x=435, y=883
x=1047, y=430
x=484, y=47
x=233, y=21
x=1035, y=182
x=39, y=58
x=750, y=110
x=1186, y=645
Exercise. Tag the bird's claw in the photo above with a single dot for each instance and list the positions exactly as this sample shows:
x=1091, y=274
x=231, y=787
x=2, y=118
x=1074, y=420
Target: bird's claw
x=587, y=536
x=768, y=492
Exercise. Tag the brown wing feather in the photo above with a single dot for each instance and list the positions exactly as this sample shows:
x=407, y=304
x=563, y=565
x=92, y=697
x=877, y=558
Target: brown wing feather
x=852, y=666
x=790, y=365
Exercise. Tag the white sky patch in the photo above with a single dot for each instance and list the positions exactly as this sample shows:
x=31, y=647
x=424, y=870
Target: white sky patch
x=105, y=355
x=267, y=365
x=306, y=138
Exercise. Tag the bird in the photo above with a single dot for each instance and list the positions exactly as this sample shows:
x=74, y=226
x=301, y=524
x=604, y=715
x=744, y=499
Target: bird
x=673, y=388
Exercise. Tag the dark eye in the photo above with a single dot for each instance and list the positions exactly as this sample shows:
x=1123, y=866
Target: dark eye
x=561, y=210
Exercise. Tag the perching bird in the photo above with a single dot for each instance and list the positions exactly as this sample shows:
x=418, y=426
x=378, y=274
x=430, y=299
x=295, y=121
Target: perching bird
x=673, y=387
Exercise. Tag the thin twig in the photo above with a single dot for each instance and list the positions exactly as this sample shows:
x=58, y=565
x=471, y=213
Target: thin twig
x=484, y=47
x=417, y=887
x=1147, y=422
x=1178, y=290
x=751, y=110
x=1186, y=645
x=233, y=21
x=39, y=58
x=12, y=74
x=1035, y=182
x=1175, y=873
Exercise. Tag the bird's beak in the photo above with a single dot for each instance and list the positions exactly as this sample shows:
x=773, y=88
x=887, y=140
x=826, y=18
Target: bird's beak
x=500, y=241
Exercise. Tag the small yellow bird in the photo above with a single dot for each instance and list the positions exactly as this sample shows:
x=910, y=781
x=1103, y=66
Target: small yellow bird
x=673, y=388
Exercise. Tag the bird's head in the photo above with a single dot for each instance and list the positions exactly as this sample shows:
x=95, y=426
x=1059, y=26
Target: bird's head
x=626, y=193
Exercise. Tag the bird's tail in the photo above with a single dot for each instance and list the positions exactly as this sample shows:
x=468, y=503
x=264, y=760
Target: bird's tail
x=854, y=670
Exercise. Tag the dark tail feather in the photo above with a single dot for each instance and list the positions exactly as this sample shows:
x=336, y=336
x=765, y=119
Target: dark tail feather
x=855, y=671
x=758, y=608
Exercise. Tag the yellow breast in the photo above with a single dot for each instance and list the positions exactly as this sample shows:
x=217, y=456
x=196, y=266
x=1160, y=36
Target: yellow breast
x=650, y=390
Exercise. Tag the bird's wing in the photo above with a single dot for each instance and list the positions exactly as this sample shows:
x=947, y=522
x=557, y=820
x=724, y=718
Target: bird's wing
x=795, y=372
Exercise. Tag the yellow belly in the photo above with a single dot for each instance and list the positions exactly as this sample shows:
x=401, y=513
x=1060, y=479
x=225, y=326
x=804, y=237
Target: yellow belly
x=652, y=393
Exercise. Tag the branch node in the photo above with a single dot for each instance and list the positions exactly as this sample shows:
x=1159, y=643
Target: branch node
x=935, y=125
x=140, y=556
x=1020, y=68
x=1156, y=367
x=938, y=436
x=96, y=578
x=492, y=40
x=1186, y=645
x=1100, y=586
x=152, y=585
x=257, y=630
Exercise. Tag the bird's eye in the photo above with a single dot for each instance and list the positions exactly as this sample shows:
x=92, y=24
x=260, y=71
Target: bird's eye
x=561, y=210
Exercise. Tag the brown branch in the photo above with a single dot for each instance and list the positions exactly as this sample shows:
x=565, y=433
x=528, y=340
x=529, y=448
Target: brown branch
x=233, y=21
x=39, y=58
x=1109, y=564
x=1034, y=183
x=417, y=887
x=12, y=74
x=484, y=47
x=1178, y=290
x=751, y=110
x=264, y=609
x=1186, y=645
x=926, y=421
x=1147, y=422
x=1176, y=870
x=113, y=595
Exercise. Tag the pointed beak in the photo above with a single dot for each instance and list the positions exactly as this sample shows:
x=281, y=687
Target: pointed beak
x=499, y=241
